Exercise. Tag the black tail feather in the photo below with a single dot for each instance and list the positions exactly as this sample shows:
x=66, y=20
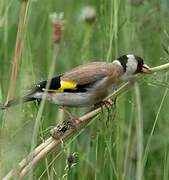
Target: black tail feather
x=16, y=101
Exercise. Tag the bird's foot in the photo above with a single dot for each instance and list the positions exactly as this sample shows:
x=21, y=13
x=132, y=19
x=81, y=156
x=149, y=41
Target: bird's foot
x=105, y=103
x=72, y=118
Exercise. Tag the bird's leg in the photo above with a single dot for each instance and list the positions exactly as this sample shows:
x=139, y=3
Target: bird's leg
x=73, y=118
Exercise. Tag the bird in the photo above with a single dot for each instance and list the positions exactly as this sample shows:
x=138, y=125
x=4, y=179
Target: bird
x=85, y=85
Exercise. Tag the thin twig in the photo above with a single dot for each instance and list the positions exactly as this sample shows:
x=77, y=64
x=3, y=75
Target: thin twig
x=43, y=149
x=160, y=68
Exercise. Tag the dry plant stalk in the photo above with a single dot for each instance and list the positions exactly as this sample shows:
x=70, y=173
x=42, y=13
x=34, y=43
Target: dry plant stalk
x=18, y=48
x=43, y=149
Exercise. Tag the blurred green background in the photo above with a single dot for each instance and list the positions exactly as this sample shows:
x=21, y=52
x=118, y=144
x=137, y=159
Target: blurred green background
x=103, y=151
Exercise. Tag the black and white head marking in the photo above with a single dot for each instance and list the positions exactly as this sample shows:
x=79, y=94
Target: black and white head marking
x=131, y=65
x=123, y=61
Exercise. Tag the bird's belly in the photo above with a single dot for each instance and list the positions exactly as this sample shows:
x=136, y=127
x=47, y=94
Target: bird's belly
x=72, y=99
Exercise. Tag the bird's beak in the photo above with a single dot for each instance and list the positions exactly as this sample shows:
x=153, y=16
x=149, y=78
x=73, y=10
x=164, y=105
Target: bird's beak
x=146, y=69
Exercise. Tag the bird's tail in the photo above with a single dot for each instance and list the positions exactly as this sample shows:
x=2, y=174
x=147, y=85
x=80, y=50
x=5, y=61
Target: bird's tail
x=16, y=101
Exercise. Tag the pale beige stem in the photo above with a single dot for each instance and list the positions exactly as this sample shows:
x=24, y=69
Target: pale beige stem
x=160, y=68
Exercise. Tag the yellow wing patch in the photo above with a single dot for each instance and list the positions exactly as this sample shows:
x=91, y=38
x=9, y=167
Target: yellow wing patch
x=63, y=85
x=67, y=85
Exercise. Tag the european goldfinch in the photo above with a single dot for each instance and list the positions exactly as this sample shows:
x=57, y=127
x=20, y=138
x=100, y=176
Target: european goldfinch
x=85, y=85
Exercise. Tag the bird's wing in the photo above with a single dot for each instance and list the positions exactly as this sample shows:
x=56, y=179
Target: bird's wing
x=88, y=73
x=76, y=80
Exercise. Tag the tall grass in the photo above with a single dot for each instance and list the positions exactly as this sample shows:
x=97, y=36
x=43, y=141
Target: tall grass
x=113, y=146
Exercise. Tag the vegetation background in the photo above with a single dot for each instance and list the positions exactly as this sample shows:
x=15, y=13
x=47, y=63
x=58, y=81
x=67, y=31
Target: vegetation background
x=108, y=147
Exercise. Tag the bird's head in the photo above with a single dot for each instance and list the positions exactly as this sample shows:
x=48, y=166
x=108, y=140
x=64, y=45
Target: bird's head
x=131, y=65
